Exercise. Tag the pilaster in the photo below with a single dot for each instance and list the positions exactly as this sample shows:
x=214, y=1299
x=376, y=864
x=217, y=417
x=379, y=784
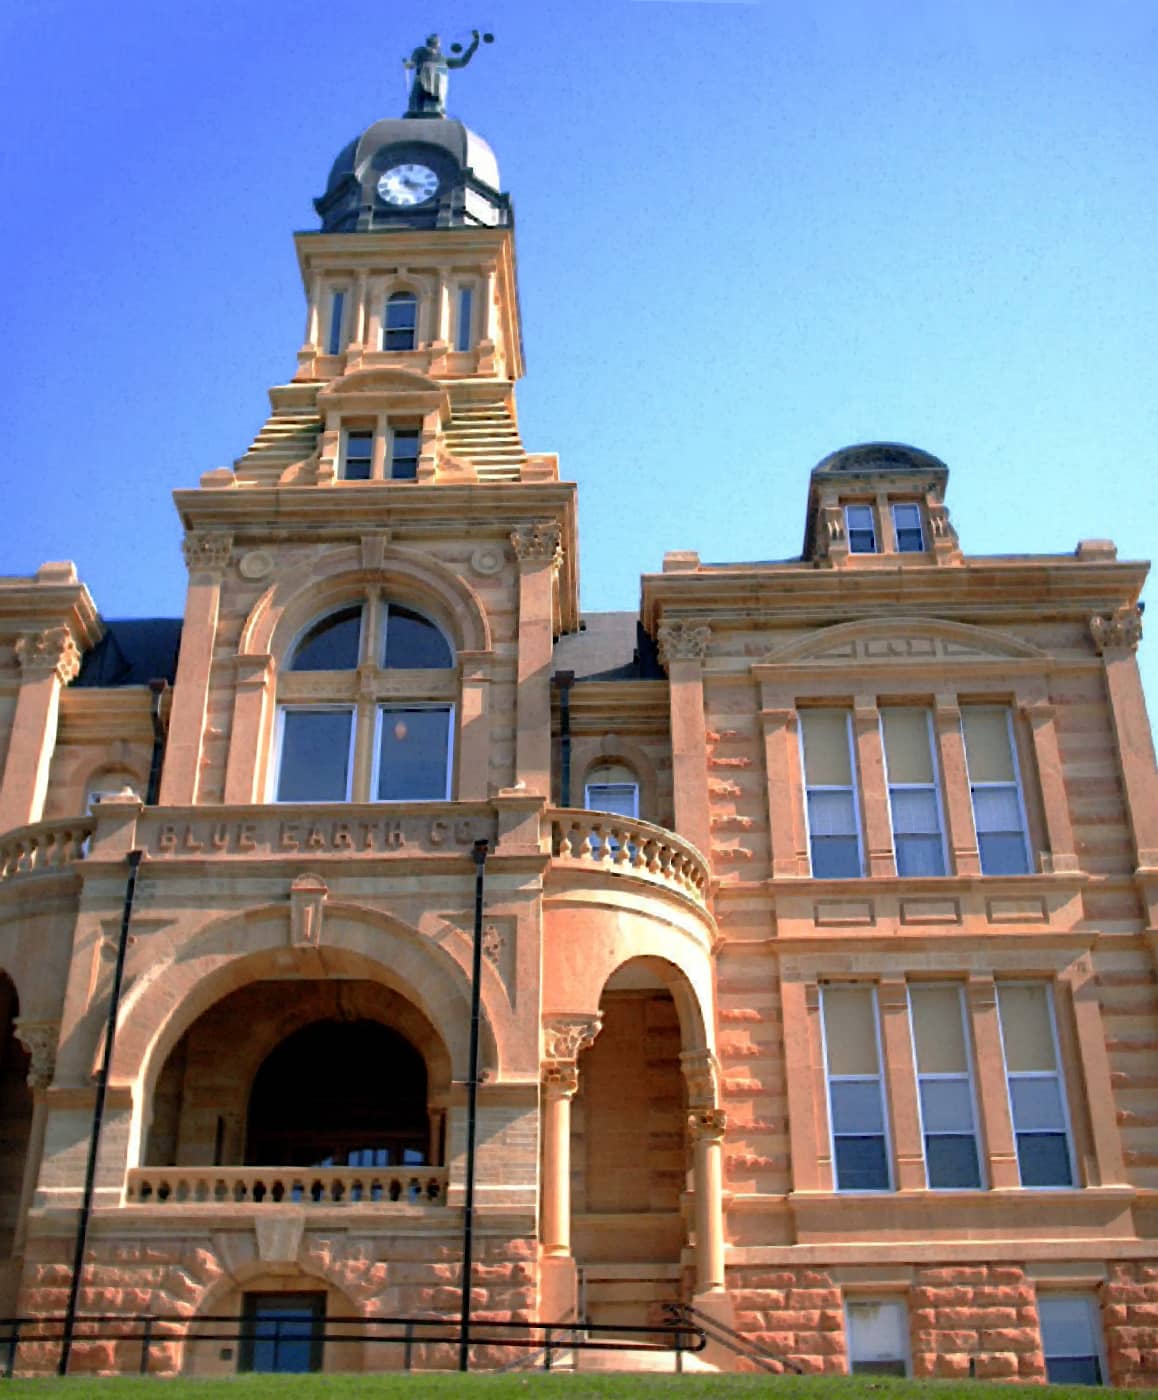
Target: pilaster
x=682, y=648
x=781, y=769
x=48, y=660
x=1000, y=1149
x=539, y=551
x=1042, y=718
x=870, y=757
x=1116, y=637
x=901, y=1081
x=962, y=832
x=248, y=736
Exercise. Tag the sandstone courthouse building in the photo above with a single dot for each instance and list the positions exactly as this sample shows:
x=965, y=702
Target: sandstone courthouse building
x=819, y=930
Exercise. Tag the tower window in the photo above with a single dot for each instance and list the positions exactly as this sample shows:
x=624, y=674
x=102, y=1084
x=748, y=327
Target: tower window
x=907, y=526
x=862, y=530
x=463, y=338
x=335, y=340
x=400, y=329
x=358, y=454
x=404, y=446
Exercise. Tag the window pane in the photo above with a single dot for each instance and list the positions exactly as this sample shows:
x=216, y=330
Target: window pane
x=856, y=1107
x=414, y=643
x=315, y=756
x=951, y=1161
x=412, y=755
x=835, y=858
x=850, y=1031
x=1073, y=1370
x=337, y=307
x=946, y=1106
x=826, y=751
x=920, y=855
x=910, y=542
x=906, y=740
x=831, y=814
x=938, y=1029
x=1067, y=1326
x=861, y=1164
x=1037, y=1105
x=1002, y=855
x=996, y=809
x=879, y=1368
x=907, y=524
x=1044, y=1159
x=404, y=444
x=1025, y=1027
x=621, y=799
x=987, y=744
x=915, y=812
x=876, y=1331
x=401, y=320
x=463, y=338
x=358, y=456
x=331, y=643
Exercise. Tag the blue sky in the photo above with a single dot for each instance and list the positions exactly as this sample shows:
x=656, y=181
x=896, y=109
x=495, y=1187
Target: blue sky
x=748, y=233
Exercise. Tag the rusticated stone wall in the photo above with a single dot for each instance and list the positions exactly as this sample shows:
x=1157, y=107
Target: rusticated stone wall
x=1130, y=1317
x=982, y=1316
x=795, y=1313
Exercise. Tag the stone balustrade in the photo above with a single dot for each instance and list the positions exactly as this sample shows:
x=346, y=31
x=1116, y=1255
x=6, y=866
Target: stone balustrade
x=269, y=1186
x=623, y=845
x=45, y=846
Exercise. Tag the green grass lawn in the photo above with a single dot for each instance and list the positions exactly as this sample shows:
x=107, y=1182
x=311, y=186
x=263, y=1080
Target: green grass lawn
x=568, y=1387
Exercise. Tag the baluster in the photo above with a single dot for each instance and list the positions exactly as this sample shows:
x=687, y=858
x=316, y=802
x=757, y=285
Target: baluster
x=620, y=852
x=561, y=840
x=164, y=1190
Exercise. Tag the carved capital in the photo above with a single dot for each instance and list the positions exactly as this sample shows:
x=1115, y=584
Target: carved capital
x=702, y=1076
x=205, y=552
x=54, y=649
x=540, y=543
x=39, y=1038
x=683, y=641
x=560, y=1081
x=565, y=1036
x=707, y=1124
x=1116, y=631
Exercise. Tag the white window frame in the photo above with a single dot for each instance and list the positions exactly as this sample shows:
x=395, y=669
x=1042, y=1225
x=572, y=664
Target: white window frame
x=831, y=787
x=1097, y=1327
x=894, y=506
x=1058, y=1074
x=969, y=1075
x=336, y=319
x=829, y=1079
x=381, y=707
x=935, y=785
x=849, y=527
x=344, y=454
x=851, y=1300
x=279, y=740
x=1017, y=783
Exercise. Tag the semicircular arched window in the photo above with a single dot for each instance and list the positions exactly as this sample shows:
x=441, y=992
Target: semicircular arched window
x=366, y=709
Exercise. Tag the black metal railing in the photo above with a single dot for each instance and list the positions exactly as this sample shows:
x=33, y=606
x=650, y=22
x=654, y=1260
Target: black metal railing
x=143, y=1336
x=684, y=1314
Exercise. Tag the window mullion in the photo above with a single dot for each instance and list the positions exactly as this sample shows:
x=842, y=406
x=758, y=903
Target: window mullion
x=365, y=725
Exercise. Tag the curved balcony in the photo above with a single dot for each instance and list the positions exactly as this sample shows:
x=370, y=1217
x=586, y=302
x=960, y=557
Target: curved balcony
x=270, y=1186
x=598, y=841
x=45, y=846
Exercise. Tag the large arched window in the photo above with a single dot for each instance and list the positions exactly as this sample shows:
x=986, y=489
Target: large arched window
x=400, y=325
x=366, y=709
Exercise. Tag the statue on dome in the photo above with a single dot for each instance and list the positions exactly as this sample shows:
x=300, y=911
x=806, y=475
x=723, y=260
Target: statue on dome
x=432, y=72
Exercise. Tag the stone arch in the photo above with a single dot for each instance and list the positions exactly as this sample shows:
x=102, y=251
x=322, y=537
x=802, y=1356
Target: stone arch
x=694, y=1033
x=589, y=753
x=409, y=577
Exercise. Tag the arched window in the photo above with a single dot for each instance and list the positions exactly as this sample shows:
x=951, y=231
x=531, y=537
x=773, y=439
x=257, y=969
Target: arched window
x=366, y=709
x=612, y=787
x=400, y=326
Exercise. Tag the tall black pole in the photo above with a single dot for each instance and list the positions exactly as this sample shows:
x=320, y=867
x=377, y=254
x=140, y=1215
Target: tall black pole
x=480, y=860
x=98, y=1113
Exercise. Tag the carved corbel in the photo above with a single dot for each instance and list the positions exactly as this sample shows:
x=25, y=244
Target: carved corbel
x=308, y=895
x=40, y=1039
x=1120, y=631
x=683, y=641
x=53, y=650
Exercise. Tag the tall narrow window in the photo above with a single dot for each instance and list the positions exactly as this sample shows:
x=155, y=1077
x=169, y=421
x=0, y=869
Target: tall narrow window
x=945, y=1087
x=316, y=754
x=856, y=1101
x=413, y=761
x=401, y=326
x=878, y=1343
x=404, y=449
x=907, y=528
x=914, y=798
x=998, y=811
x=1036, y=1091
x=358, y=454
x=282, y=1332
x=833, y=826
x=464, y=337
x=335, y=341
x=862, y=530
x=1071, y=1339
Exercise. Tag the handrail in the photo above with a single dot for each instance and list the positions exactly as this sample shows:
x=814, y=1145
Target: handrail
x=169, y=1187
x=627, y=846
x=570, y=1323
x=736, y=1342
x=44, y=846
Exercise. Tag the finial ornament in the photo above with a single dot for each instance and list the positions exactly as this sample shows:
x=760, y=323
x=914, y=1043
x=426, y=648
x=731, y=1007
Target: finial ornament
x=431, y=67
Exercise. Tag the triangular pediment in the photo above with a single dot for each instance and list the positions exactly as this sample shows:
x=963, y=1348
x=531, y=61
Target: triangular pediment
x=902, y=639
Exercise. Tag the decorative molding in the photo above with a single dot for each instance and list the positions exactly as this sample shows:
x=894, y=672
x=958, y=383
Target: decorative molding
x=40, y=1039
x=256, y=564
x=53, y=650
x=707, y=1124
x=488, y=560
x=683, y=641
x=1120, y=631
x=308, y=895
x=560, y=1080
x=904, y=639
x=565, y=1036
x=702, y=1076
x=206, y=552
x=540, y=543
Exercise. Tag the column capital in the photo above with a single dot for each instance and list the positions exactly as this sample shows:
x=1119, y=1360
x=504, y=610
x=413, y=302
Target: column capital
x=1119, y=631
x=683, y=641
x=53, y=650
x=40, y=1039
x=205, y=551
x=1039, y=711
x=707, y=1124
x=538, y=543
x=565, y=1036
x=560, y=1079
x=702, y=1075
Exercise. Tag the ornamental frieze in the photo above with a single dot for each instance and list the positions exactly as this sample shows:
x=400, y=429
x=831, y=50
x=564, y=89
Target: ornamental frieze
x=1120, y=630
x=54, y=649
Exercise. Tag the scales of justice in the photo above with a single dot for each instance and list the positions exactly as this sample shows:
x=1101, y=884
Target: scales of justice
x=431, y=66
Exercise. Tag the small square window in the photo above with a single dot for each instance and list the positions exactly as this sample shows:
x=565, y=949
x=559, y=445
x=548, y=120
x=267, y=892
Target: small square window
x=1070, y=1338
x=404, y=449
x=358, y=454
x=282, y=1332
x=862, y=531
x=907, y=525
x=878, y=1343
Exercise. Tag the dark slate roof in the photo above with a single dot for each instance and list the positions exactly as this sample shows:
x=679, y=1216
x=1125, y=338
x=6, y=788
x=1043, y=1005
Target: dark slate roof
x=609, y=646
x=134, y=652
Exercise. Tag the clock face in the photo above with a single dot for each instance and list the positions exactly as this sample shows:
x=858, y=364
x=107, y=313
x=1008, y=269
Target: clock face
x=408, y=184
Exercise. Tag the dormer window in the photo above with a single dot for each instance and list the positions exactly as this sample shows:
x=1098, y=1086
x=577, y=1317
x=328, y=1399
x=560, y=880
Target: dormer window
x=907, y=527
x=862, y=531
x=400, y=328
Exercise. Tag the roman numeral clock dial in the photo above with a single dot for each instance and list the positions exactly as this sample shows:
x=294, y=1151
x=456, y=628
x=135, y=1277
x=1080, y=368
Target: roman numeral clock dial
x=407, y=185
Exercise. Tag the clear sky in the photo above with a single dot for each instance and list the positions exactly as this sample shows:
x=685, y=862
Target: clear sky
x=749, y=232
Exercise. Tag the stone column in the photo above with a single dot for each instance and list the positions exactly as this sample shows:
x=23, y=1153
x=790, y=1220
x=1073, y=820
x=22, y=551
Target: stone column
x=1094, y=1070
x=48, y=661
x=707, y=1126
x=781, y=771
x=962, y=832
x=247, y=738
x=539, y=550
x=682, y=648
x=314, y=312
x=874, y=797
x=565, y=1037
x=901, y=1082
x=800, y=1011
x=206, y=556
x=474, y=743
x=39, y=1038
x=1116, y=639
x=1042, y=718
x=996, y=1124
